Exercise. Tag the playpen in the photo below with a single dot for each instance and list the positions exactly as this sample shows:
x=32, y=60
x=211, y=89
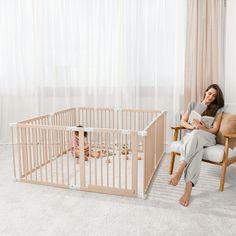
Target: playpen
x=132, y=143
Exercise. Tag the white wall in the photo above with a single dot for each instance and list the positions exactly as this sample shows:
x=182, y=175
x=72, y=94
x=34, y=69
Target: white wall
x=230, y=59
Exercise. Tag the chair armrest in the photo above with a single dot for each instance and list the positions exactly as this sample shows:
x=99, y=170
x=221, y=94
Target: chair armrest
x=230, y=135
x=177, y=127
x=176, y=131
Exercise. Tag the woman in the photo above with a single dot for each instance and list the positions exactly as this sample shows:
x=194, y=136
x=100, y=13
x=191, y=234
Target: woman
x=198, y=137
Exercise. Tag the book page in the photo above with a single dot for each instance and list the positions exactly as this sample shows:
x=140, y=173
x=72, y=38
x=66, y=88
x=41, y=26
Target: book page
x=208, y=120
x=194, y=116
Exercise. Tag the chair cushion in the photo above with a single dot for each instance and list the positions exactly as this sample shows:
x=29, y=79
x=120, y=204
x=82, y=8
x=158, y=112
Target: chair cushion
x=227, y=126
x=214, y=153
x=176, y=146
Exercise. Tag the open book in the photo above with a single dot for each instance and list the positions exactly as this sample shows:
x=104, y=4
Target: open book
x=207, y=120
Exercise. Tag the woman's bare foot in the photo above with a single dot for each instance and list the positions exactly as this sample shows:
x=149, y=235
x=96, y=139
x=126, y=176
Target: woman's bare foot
x=175, y=178
x=184, y=200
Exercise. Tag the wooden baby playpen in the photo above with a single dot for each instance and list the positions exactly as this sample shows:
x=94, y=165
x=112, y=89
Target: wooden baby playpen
x=132, y=143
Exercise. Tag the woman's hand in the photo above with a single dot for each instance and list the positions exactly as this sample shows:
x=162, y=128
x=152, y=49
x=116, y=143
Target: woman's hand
x=199, y=124
x=184, y=121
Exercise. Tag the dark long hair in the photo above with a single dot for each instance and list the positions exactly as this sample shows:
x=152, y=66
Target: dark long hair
x=217, y=103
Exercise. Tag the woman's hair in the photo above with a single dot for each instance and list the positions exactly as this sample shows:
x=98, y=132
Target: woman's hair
x=77, y=132
x=217, y=103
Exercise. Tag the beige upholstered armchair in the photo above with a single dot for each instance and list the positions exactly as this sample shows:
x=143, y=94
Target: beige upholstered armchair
x=222, y=154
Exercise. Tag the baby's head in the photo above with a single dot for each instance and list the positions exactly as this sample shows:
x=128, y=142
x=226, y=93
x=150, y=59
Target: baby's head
x=77, y=132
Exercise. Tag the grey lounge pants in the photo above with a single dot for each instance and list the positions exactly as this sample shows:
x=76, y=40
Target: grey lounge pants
x=192, y=152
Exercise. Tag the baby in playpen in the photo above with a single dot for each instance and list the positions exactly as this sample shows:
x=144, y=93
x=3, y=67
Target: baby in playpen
x=87, y=151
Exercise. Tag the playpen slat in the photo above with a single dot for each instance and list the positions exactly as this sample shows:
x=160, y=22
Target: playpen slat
x=107, y=158
x=40, y=154
x=113, y=160
x=29, y=149
x=37, y=152
x=58, y=151
x=95, y=166
x=119, y=146
x=126, y=145
x=13, y=152
x=68, y=137
x=90, y=154
x=50, y=142
x=62, y=158
x=82, y=164
x=19, y=150
x=134, y=145
x=25, y=154
x=45, y=154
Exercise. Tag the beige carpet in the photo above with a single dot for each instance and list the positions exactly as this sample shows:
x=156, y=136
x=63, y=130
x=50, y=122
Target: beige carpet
x=27, y=209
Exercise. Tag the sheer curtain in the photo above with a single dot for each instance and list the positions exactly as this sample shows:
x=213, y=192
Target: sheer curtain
x=58, y=54
x=205, y=46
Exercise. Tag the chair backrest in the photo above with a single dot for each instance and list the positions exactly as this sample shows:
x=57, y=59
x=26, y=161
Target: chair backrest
x=227, y=126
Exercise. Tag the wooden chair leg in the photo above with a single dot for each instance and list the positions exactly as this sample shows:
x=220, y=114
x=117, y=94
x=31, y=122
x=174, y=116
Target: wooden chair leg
x=172, y=162
x=222, y=177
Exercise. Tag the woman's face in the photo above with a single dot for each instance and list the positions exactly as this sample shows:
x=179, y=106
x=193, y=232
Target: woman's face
x=210, y=96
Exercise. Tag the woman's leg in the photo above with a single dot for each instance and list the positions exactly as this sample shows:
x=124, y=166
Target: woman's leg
x=192, y=170
x=191, y=175
x=175, y=178
x=193, y=144
x=199, y=140
x=184, y=200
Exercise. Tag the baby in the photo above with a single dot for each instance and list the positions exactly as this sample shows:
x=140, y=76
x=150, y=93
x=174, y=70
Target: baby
x=76, y=149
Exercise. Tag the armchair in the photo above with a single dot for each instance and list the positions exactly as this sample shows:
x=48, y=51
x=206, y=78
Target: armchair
x=222, y=154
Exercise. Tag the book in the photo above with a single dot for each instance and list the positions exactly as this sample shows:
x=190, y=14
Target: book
x=200, y=107
x=207, y=120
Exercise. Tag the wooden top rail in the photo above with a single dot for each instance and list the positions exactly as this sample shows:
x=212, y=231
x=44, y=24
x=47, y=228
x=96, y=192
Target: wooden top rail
x=74, y=128
x=154, y=119
x=66, y=110
x=103, y=130
x=140, y=110
x=49, y=127
x=95, y=108
x=34, y=119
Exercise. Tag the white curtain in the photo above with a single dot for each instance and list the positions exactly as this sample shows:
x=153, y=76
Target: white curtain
x=205, y=47
x=58, y=54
